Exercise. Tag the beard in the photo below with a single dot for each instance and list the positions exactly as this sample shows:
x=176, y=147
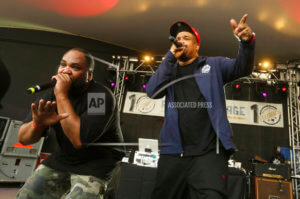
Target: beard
x=183, y=57
x=78, y=85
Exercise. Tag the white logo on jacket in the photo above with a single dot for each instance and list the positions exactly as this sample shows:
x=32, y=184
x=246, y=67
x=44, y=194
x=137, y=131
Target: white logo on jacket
x=206, y=69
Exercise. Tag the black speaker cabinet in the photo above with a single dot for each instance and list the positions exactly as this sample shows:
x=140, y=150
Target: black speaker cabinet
x=136, y=182
x=267, y=188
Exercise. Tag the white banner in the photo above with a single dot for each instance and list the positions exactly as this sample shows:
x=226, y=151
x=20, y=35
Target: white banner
x=140, y=103
x=254, y=113
x=238, y=112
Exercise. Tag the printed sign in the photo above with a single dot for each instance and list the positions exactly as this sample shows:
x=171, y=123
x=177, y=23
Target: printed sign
x=140, y=103
x=238, y=112
x=254, y=113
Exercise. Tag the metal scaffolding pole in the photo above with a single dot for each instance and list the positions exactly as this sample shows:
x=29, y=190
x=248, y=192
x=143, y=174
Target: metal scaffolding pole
x=293, y=119
x=123, y=65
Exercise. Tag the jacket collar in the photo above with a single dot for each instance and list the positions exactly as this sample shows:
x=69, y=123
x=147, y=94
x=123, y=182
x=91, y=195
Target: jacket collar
x=199, y=60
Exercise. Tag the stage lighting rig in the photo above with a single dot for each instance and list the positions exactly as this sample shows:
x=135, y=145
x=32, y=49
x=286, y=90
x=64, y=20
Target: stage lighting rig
x=265, y=65
x=148, y=58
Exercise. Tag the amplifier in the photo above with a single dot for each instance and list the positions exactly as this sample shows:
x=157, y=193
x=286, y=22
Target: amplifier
x=17, y=162
x=266, y=188
x=269, y=170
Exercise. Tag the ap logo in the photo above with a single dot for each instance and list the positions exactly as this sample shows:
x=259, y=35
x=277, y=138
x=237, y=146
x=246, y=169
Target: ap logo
x=96, y=103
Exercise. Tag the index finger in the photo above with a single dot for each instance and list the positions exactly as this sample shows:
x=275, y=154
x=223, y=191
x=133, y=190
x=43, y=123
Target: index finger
x=243, y=19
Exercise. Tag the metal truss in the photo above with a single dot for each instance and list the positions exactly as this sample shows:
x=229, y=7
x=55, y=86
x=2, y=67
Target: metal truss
x=269, y=77
x=129, y=65
x=294, y=130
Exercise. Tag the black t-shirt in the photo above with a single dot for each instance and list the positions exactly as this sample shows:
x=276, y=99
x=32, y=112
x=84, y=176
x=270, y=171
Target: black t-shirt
x=198, y=136
x=89, y=160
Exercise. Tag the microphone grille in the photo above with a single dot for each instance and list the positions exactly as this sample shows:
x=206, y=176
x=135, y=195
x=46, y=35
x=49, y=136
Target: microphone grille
x=171, y=38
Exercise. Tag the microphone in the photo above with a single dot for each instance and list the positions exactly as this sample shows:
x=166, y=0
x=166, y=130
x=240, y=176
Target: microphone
x=174, y=41
x=42, y=86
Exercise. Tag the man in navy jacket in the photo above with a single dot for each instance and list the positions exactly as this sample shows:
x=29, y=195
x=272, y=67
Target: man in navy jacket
x=196, y=136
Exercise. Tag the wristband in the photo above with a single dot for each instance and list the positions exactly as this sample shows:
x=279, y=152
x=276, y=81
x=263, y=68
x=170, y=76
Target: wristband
x=252, y=38
x=37, y=127
x=250, y=41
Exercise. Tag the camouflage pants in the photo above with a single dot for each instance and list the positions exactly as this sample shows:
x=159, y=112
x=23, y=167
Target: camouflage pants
x=49, y=183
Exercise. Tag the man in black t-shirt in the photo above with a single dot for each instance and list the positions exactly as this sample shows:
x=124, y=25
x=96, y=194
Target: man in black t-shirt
x=79, y=111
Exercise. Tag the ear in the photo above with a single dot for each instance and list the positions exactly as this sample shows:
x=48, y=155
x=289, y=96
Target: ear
x=90, y=75
x=198, y=47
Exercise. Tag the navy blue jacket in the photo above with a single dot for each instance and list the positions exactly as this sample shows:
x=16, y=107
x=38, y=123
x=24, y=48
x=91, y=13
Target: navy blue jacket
x=211, y=75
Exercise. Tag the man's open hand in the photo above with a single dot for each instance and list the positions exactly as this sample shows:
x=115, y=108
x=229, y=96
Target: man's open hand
x=45, y=115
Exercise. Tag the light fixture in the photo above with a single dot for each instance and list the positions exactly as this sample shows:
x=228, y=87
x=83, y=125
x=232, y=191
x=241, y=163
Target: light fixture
x=147, y=58
x=264, y=94
x=265, y=65
x=261, y=90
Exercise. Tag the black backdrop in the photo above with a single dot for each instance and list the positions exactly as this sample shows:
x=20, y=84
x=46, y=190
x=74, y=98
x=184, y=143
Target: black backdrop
x=32, y=56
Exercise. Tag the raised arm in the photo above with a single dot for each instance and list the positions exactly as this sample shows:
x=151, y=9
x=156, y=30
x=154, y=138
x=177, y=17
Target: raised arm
x=243, y=64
